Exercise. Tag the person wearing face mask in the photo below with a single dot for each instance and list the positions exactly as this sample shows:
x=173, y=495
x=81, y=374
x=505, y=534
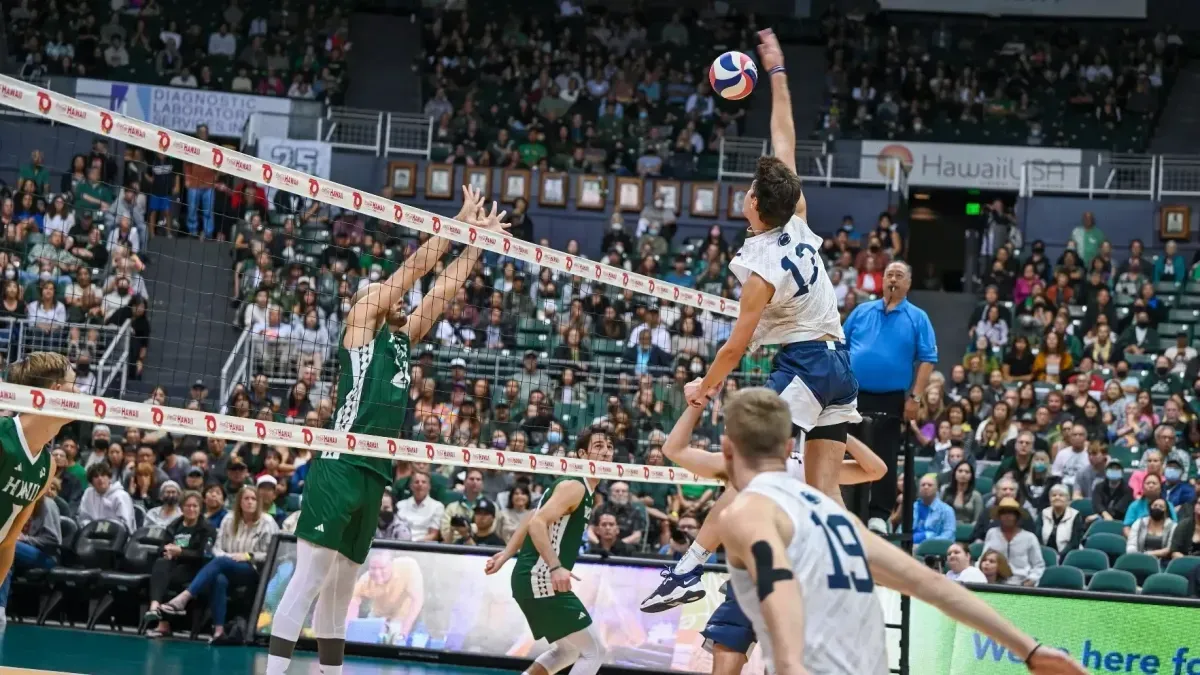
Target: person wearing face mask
x=1176, y=488
x=1152, y=533
x=1151, y=492
x=168, y=509
x=1112, y=496
x=617, y=238
x=391, y=527
x=101, y=439
x=1038, y=482
x=118, y=298
x=85, y=379
x=1160, y=381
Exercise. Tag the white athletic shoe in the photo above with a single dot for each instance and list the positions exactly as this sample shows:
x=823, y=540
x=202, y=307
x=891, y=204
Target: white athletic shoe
x=675, y=589
x=879, y=526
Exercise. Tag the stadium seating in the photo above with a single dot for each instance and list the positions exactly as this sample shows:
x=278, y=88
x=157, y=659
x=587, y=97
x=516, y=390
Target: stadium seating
x=1168, y=585
x=1088, y=561
x=1111, y=545
x=1142, y=566
x=1113, y=581
x=98, y=547
x=1062, y=578
x=125, y=587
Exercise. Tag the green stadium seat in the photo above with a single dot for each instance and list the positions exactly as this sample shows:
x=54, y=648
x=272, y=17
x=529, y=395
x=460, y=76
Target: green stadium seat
x=1113, y=581
x=1183, y=566
x=1088, y=560
x=1167, y=288
x=541, y=326
x=1169, y=585
x=1140, y=565
x=962, y=532
x=984, y=485
x=537, y=341
x=1112, y=545
x=935, y=547
x=1106, y=527
x=1083, y=506
x=1063, y=578
x=1050, y=556
x=1179, y=316
x=988, y=471
x=976, y=550
x=605, y=347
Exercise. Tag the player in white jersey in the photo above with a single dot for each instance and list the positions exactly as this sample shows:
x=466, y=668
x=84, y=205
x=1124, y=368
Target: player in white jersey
x=804, y=570
x=729, y=635
x=788, y=300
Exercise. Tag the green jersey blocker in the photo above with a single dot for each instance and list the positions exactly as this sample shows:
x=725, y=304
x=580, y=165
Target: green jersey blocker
x=343, y=491
x=553, y=615
x=22, y=474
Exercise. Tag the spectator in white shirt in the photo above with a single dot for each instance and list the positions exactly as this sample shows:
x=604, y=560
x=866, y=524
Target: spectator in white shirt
x=120, y=296
x=452, y=330
x=124, y=235
x=116, y=56
x=274, y=338
x=184, y=79
x=1179, y=353
x=105, y=499
x=222, y=43
x=300, y=88
x=422, y=513
x=47, y=313
x=659, y=336
x=958, y=559
x=59, y=218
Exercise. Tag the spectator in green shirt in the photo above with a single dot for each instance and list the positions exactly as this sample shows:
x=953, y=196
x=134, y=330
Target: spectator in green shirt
x=532, y=151
x=35, y=172
x=1087, y=238
x=377, y=256
x=93, y=196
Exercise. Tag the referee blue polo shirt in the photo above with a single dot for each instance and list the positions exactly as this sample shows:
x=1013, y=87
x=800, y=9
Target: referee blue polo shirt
x=885, y=345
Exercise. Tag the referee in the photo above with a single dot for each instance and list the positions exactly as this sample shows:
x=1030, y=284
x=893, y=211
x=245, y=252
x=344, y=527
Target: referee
x=892, y=352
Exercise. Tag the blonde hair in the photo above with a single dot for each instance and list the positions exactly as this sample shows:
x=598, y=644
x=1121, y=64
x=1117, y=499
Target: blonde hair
x=238, y=517
x=39, y=369
x=758, y=423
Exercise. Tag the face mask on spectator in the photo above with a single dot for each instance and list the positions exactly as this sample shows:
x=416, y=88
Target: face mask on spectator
x=386, y=517
x=83, y=368
x=374, y=275
x=1157, y=514
x=10, y=273
x=554, y=437
x=617, y=227
x=100, y=443
x=170, y=500
x=346, y=307
x=122, y=290
x=500, y=443
x=45, y=275
x=1039, y=466
x=1114, y=474
x=1173, y=474
x=658, y=203
x=1162, y=371
x=697, y=368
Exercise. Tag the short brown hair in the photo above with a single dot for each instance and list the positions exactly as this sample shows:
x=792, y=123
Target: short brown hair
x=39, y=369
x=777, y=190
x=758, y=423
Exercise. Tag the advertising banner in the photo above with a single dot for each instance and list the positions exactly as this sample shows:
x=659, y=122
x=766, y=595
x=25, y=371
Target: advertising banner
x=990, y=167
x=181, y=109
x=1104, y=636
x=311, y=157
x=425, y=599
x=1090, y=9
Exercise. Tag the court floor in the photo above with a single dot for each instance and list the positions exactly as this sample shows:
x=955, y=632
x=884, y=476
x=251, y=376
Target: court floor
x=30, y=650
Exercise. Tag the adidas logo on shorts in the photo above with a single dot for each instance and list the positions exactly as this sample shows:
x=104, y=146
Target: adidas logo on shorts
x=582, y=615
x=319, y=528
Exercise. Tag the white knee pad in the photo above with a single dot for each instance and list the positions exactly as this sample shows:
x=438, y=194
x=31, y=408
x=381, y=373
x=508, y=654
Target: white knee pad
x=333, y=604
x=592, y=651
x=560, y=655
x=314, y=565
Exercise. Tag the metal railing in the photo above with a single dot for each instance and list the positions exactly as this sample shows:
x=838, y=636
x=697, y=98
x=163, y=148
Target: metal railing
x=237, y=367
x=1110, y=175
x=738, y=157
x=22, y=336
x=1178, y=176
x=408, y=134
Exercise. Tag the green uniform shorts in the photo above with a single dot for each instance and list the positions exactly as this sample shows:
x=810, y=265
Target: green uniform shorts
x=340, y=508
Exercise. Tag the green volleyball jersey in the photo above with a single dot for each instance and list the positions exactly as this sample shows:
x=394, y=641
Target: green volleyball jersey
x=372, y=394
x=22, y=474
x=531, y=576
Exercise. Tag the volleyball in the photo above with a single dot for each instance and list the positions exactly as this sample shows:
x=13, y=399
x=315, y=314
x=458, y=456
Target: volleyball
x=733, y=75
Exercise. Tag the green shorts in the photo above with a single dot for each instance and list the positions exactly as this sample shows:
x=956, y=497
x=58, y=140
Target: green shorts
x=340, y=509
x=555, y=617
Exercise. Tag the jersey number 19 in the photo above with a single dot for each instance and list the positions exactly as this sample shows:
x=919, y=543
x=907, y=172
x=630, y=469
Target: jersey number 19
x=803, y=253
x=845, y=551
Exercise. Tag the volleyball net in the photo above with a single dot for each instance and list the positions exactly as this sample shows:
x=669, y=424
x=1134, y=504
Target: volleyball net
x=165, y=265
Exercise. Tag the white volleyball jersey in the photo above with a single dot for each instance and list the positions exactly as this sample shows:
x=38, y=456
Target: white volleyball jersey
x=804, y=306
x=844, y=631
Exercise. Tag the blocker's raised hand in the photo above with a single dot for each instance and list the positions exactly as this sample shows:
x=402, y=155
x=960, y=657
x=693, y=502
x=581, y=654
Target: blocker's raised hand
x=769, y=52
x=490, y=220
x=472, y=203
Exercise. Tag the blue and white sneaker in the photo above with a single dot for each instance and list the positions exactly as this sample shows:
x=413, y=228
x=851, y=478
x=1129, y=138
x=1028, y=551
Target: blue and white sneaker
x=675, y=590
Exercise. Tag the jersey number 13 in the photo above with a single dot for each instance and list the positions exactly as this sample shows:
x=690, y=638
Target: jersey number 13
x=803, y=254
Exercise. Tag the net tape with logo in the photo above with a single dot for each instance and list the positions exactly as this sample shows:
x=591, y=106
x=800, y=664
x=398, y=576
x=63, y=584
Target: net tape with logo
x=82, y=407
x=73, y=112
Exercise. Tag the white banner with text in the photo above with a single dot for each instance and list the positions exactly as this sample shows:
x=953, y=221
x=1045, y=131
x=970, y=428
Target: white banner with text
x=1091, y=9
x=988, y=167
x=182, y=109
